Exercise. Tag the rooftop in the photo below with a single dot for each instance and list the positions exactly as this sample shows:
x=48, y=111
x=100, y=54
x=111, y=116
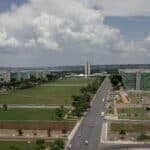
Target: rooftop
x=134, y=70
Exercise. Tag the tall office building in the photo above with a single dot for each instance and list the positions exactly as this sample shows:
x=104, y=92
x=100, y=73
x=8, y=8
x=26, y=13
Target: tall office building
x=87, y=69
x=137, y=79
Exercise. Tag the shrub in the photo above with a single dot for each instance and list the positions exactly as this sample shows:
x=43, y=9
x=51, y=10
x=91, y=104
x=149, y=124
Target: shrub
x=142, y=137
x=58, y=144
x=40, y=144
x=64, y=130
x=49, y=132
x=20, y=132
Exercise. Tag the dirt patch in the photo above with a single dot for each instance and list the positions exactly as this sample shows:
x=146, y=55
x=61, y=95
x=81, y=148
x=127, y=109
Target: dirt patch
x=37, y=125
x=129, y=132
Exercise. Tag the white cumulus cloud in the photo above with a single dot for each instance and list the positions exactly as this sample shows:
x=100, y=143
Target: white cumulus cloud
x=6, y=41
x=67, y=25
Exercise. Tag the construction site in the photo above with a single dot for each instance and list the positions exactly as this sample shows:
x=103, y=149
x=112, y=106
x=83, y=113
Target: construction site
x=128, y=109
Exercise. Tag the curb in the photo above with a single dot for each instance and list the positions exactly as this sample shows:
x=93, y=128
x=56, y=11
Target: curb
x=71, y=135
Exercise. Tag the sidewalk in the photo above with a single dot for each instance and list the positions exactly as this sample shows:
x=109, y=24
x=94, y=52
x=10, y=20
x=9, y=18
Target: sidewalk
x=29, y=106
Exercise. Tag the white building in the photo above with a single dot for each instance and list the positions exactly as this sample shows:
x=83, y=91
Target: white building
x=4, y=77
x=87, y=69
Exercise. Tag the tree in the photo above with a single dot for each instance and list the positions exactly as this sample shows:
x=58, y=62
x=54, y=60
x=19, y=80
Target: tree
x=122, y=133
x=1, y=85
x=93, y=86
x=58, y=144
x=116, y=80
x=49, y=132
x=80, y=103
x=20, y=132
x=35, y=133
x=5, y=107
x=51, y=77
x=143, y=136
x=60, y=112
x=64, y=130
x=40, y=144
x=84, y=90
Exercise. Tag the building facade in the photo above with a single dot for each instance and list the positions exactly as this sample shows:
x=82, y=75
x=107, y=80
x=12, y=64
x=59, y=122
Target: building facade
x=136, y=79
x=87, y=69
x=4, y=77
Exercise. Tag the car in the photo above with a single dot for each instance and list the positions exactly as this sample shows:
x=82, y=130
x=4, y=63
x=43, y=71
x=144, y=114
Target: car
x=69, y=146
x=102, y=114
x=86, y=142
x=85, y=113
x=103, y=99
x=88, y=109
x=79, y=135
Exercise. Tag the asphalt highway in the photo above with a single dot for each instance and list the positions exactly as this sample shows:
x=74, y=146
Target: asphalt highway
x=90, y=127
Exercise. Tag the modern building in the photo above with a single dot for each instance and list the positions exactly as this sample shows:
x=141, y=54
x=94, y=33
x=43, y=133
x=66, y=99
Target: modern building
x=87, y=69
x=15, y=76
x=7, y=76
x=25, y=75
x=137, y=79
x=4, y=77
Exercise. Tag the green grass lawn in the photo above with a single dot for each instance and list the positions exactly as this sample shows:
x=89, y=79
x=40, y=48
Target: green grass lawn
x=133, y=113
x=46, y=94
x=29, y=114
x=19, y=145
x=74, y=80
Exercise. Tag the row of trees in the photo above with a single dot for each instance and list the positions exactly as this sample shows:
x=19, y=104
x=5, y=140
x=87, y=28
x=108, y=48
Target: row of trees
x=81, y=102
x=92, y=87
x=49, y=131
x=28, y=83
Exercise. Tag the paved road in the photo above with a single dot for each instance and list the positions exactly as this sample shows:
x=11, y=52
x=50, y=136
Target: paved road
x=90, y=127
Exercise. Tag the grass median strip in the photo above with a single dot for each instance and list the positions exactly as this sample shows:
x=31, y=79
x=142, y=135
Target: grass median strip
x=29, y=114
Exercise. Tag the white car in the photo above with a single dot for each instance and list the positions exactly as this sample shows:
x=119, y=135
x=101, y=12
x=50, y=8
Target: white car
x=69, y=146
x=103, y=99
x=86, y=142
x=102, y=114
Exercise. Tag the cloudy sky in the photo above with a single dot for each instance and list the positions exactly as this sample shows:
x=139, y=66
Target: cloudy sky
x=68, y=32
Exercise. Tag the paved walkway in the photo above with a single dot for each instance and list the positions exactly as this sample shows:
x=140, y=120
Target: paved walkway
x=29, y=106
